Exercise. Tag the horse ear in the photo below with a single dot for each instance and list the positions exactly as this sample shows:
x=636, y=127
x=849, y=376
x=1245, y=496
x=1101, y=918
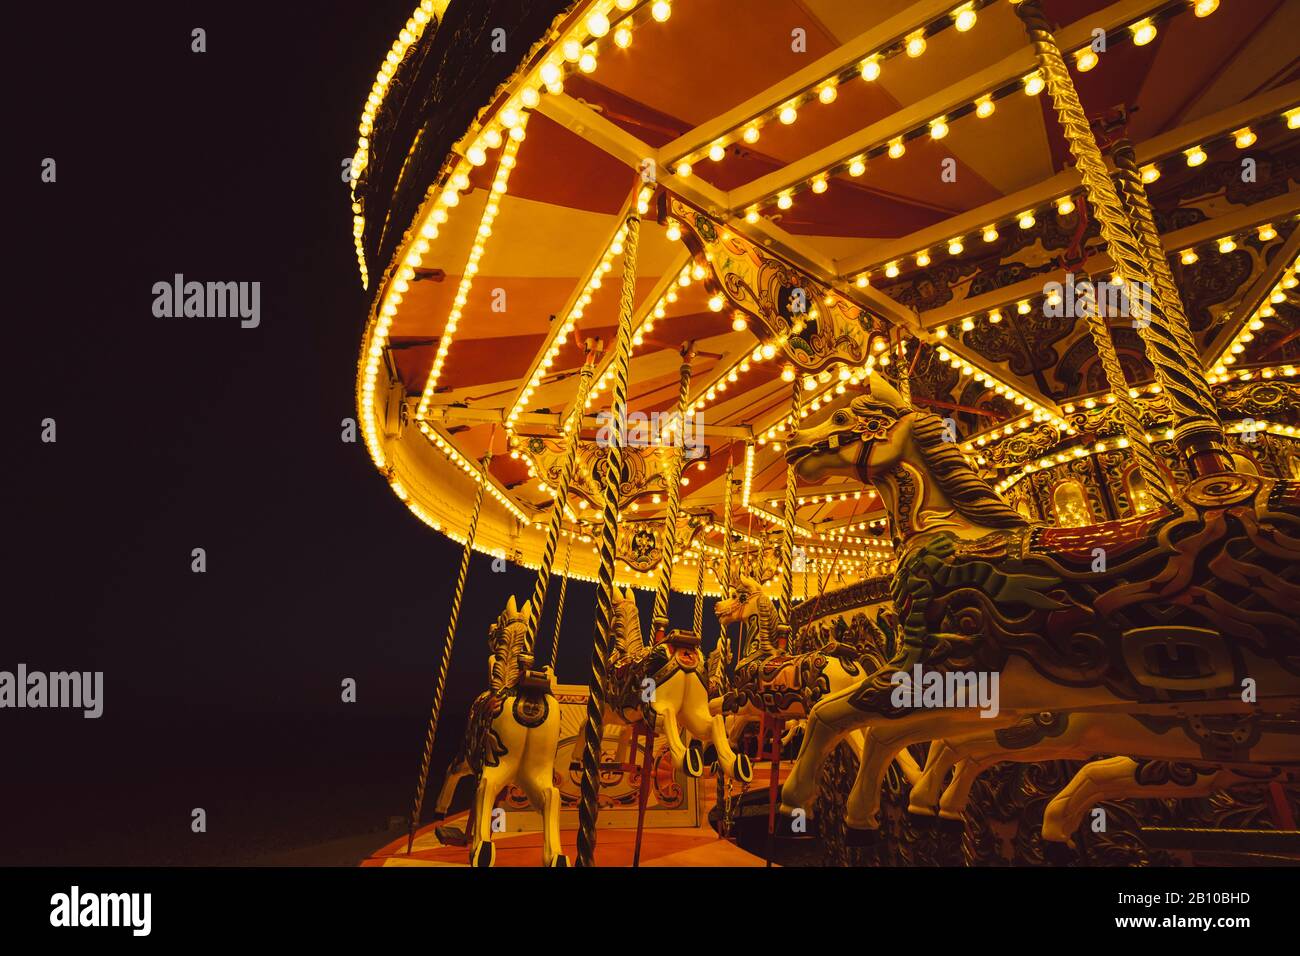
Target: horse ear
x=511, y=608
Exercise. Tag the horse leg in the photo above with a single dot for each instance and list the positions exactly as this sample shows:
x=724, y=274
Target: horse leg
x=886, y=736
x=457, y=770
x=490, y=784
x=685, y=760
x=927, y=792
x=537, y=779
x=1114, y=777
x=829, y=720
x=696, y=717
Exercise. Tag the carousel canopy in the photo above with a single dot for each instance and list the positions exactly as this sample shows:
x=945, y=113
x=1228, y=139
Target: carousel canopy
x=899, y=158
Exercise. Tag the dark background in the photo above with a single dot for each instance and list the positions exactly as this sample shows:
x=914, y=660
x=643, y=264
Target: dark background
x=222, y=690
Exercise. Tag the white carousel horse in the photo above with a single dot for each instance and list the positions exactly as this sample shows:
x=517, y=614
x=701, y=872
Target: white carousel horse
x=661, y=685
x=1194, y=595
x=1082, y=736
x=514, y=731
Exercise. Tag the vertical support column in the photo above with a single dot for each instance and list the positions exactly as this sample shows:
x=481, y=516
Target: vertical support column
x=574, y=428
x=659, y=619
x=786, y=557
x=440, y=682
x=1199, y=434
x=1203, y=436
x=593, y=728
x=698, y=619
x=559, y=607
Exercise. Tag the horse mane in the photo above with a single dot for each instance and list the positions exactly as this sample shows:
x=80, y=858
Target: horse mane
x=507, y=640
x=628, y=642
x=970, y=494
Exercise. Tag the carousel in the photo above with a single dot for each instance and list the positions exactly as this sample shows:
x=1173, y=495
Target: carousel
x=944, y=352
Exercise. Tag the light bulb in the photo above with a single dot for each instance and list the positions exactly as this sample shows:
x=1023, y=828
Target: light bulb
x=1203, y=8
x=1034, y=84
x=788, y=114
x=1195, y=156
x=871, y=68
x=1150, y=174
x=827, y=93
x=784, y=201
x=1227, y=244
x=623, y=38
x=916, y=44
x=923, y=259
x=955, y=247
x=661, y=10
x=896, y=148
x=1245, y=138
x=750, y=135
x=1065, y=206
x=939, y=128
x=819, y=184
x=964, y=18
x=891, y=270
x=598, y=24
x=716, y=152
x=990, y=234
x=1267, y=233
x=1086, y=59
x=738, y=322
x=1188, y=257
x=857, y=167
x=984, y=107
x=683, y=169
x=1144, y=32
x=1027, y=220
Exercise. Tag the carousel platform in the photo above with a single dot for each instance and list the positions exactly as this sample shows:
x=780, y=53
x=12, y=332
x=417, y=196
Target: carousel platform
x=694, y=846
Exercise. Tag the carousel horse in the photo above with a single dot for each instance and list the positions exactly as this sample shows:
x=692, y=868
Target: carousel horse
x=786, y=687
x=514, y=731
x=1224, y=742
x=661, y=685
x=769, y=680
x=1191, y=608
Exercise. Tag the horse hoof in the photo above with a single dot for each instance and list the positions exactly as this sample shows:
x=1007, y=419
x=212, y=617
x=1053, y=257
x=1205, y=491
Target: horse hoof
x=693, y=763
x=744, y=769
x=485, y=856
x=856, y=837
x=560, y=862
x=919, y=810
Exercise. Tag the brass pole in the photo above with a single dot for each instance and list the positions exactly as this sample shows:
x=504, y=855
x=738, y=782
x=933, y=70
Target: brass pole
x=559, y=608
x=1126, y=409
x=440, y=683
x=1202, y=436
x=659, y=619
x=573, y=426
x=786, y=557
x=593, y=729
x=699, y=598
x=1199, y=435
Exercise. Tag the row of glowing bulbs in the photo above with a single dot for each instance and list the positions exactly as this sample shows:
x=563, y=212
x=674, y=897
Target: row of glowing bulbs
x=1194, y=156
x=410, y=34
x=999, y=388
x=1276, y=297
x=451, y=197
x=1143, y=32
x=1083, y=451
x=826, y=91
x=473, y=470
x=594, y=282
x=1053, y=298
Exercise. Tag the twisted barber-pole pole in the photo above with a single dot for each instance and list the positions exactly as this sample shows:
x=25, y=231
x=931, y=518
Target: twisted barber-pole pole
x=786, y=558
x=559, y=606
x=440, y=683
x=593, y=728
x=1212, y=455
x=574, y=428
x=659, y=620
x=1199, y=433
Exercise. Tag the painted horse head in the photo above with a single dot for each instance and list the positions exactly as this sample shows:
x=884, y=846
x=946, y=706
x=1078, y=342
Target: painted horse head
x=912, y=460
x=506, y=641
x=748, y=604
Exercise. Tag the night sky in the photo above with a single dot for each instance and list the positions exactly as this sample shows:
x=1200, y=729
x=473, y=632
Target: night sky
x=222, y=689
